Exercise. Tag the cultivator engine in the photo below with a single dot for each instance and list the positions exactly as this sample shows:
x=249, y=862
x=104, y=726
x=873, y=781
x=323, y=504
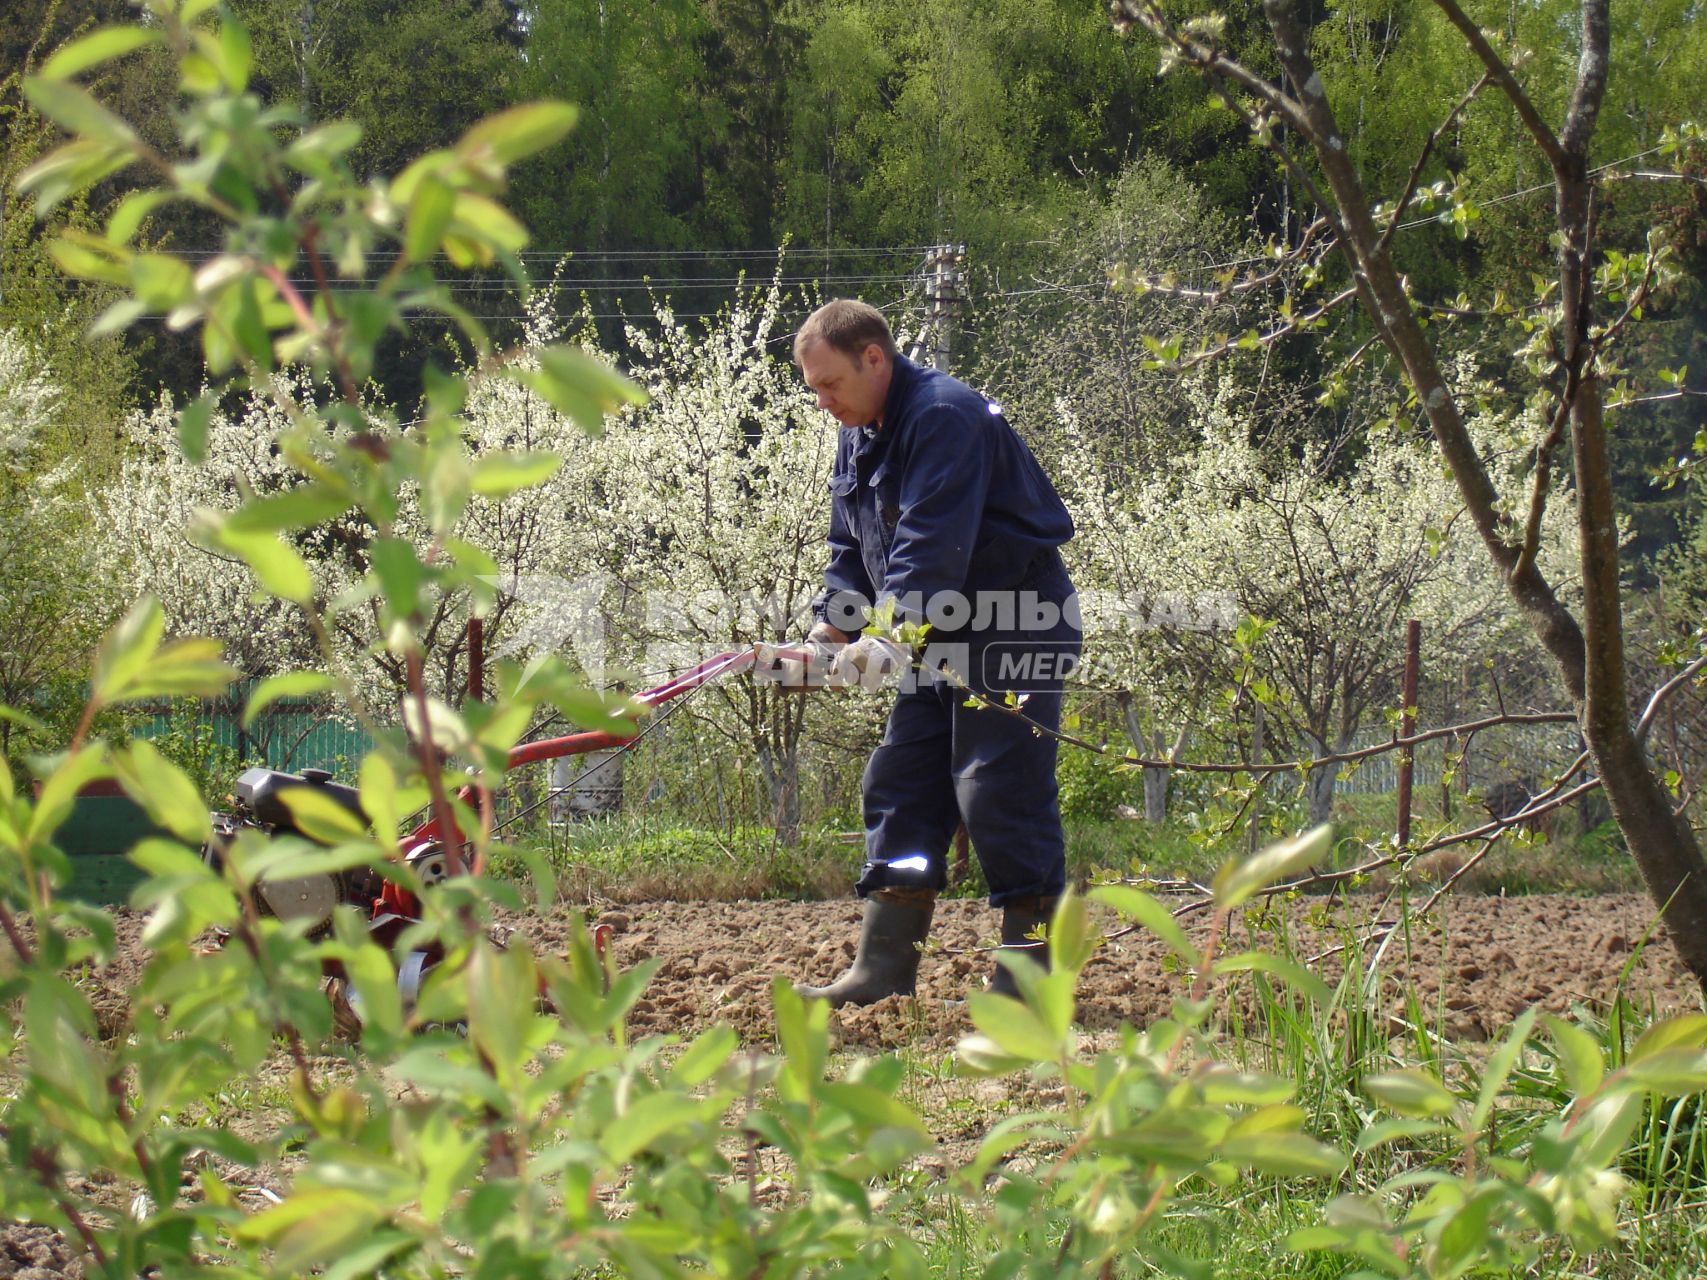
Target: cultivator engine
x=259, y=803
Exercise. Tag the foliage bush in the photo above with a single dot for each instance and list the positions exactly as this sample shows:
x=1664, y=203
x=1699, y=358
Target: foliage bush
x=1093, y=787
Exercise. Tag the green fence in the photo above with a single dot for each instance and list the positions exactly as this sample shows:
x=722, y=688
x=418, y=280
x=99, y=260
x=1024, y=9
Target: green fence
x=291, y=734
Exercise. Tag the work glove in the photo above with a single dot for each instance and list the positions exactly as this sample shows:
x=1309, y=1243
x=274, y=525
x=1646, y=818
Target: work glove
x=869, y=662
x=796, y=668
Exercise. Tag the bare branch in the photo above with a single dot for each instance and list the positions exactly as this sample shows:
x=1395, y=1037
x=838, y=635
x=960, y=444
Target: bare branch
x=1542, y=479
x=1593, y=66
x=1295, y=325
x=1658, y=397
x=1422, y=159
x=1501, y=74
x=1665, y=691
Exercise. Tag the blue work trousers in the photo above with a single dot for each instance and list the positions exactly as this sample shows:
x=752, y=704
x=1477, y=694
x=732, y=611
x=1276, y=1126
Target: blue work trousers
x=942, y=762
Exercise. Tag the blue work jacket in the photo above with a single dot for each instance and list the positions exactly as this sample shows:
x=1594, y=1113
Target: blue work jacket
x=942, y=497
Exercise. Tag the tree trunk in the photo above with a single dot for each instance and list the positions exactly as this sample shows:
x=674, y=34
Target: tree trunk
x=1589, y=655
x=1155, y=796
x=781, y=769
x=1320, y=790
x=1155, y=779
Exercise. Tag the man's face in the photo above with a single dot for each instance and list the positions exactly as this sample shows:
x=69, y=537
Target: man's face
x=852, y=389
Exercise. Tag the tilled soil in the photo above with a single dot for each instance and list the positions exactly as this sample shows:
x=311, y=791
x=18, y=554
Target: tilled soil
x=1477, y=964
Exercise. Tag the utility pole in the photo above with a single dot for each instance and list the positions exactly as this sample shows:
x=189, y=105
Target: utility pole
x=946, y=268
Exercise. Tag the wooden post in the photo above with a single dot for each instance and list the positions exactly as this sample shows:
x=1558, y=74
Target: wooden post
x=477, y=659
x=1408, y=726
x=1258, y=780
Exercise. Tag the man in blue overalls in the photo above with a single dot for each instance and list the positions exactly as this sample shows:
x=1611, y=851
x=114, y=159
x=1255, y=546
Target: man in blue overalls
x=936, y=504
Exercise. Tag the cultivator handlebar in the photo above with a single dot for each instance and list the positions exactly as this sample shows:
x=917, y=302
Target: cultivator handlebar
x=734, y=662
x=724, y=664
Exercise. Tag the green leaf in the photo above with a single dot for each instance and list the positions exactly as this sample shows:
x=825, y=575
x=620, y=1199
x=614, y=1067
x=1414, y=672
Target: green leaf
x=319, y=817
x=193, y=422
x=76, y=257
x=160, y=281
x=1605, y=1126
x=1015, y=1028
x=366, y=1259
x=1500, y=1065
x=1688, y=1031
x=1579, y=1056
x=59, y=790
x=1224, y=1085
x=802, y=1029
x=312, y=1227
x=301, y=507
x=1071, y=942
x=236, y=55
x=1291, y=973
x=1140, y=907
x=325, y=141
x=981, y=1055
x=187, y=668
x=649, y=1119
x=1669, y=1071
x=521, y=131
x=77, y=112
x=130, y=213
x=400, y=572
x=101, y=45
x=1285, y=1155
x=371, y=971
x=1239, y=881
x=503, y=989
x=163, y=790
x=705, y=1057
x=1411, y=1093
x=429, y=217
x=449, y=1155
x=1382, y=1132
x=276, y=566
x=378, y=788
x=70, y=169
x=132, y=664
x=127, y=648
x=500, y=475
x=292, y=684
x=59, y=1026
x=580, y=387
x=872, y=1107
x=486, y=225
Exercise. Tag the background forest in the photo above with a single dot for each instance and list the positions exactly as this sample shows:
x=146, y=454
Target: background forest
x=733, y=162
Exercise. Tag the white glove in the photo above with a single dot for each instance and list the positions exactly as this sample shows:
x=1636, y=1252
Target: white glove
x=796, y=668
x=869, y=662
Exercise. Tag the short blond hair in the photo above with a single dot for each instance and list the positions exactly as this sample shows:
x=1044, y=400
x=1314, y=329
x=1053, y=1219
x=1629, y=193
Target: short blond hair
x=847, y=325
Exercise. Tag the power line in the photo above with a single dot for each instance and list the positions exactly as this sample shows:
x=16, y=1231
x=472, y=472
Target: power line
x=572, y=256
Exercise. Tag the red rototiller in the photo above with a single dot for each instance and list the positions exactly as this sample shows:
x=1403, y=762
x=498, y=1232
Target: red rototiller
x=258, y=804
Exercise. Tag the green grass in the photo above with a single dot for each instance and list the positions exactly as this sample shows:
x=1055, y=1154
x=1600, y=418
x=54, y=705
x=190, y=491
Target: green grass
x=1240, y=1232
x=629, y=860
x=641, y=856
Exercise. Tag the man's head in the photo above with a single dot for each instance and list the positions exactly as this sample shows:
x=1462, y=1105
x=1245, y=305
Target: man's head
x=847, y=355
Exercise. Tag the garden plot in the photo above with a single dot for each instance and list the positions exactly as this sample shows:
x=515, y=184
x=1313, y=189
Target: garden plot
x=1471, y=970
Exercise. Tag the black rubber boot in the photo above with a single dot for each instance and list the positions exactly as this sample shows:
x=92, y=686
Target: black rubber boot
x=1020, y=919
x=887, y=962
